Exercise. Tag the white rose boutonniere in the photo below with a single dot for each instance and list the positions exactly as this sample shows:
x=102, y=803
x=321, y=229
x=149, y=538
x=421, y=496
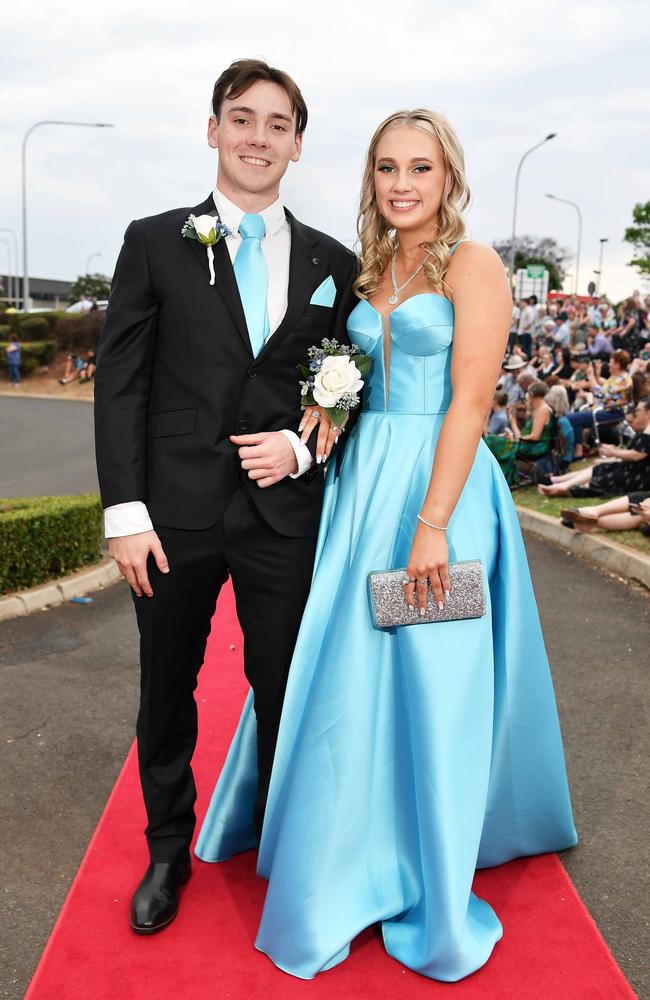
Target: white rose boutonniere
x=208, y=230
x=333, y=378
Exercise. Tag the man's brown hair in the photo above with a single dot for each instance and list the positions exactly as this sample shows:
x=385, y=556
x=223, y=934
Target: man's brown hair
x=243, y=73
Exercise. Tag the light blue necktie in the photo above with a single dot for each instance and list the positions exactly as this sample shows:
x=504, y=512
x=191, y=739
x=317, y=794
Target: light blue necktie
x=252, y=279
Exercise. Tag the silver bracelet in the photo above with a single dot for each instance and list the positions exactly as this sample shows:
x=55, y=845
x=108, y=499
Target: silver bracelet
x=430, y=525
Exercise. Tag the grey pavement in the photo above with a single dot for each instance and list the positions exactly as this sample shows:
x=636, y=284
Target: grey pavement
x=46, y=447
x=69, y=683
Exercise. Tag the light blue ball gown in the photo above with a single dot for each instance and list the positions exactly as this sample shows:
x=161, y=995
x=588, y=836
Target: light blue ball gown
x=408, y=757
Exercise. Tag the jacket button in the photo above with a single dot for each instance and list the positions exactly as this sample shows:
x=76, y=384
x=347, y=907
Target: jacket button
x=243, y=426
x=252, y=373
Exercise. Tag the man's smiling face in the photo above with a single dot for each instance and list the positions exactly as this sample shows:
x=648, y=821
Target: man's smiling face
x=256, y=139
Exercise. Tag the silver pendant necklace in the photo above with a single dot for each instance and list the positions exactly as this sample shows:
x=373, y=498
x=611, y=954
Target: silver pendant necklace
x=393, y=276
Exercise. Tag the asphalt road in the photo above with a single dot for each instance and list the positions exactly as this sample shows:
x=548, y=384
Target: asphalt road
x=46, y=447
x=68, y=696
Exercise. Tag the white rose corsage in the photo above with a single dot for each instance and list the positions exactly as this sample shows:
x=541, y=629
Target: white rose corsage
x=208, y=230
x=333, y=378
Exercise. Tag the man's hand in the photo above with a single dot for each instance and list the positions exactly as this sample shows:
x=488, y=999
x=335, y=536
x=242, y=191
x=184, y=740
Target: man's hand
x=267, y=457
x=130, y=552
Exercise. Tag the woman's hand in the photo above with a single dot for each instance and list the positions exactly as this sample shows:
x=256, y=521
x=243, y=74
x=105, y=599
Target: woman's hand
x=328, y=432
x=428, y=564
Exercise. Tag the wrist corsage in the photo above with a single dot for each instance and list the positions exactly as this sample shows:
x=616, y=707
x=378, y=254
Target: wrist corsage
x=333, y=378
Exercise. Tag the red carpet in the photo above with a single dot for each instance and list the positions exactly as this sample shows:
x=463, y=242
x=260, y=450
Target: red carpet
x=551, y=949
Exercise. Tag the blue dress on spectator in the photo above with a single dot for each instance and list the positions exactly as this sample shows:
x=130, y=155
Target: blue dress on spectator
x=406, y=757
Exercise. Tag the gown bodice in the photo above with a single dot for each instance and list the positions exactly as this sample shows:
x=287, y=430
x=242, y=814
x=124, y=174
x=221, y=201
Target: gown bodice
x=411, y=351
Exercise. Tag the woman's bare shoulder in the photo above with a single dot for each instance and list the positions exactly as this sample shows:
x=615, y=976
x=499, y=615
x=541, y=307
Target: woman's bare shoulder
x=474, y=264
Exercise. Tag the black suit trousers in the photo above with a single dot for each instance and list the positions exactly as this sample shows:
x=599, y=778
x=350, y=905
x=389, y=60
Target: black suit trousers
x=271, y=576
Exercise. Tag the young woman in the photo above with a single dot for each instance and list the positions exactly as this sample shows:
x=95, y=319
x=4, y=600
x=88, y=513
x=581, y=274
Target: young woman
x=534, y=438
x=408, y=756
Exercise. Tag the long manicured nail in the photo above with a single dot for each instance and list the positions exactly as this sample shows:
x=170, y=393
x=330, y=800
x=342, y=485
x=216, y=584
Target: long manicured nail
x=440, y=606
x=422, y=612
x=447, y=593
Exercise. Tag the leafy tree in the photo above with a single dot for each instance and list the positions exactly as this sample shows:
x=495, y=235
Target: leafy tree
x=536, y=250
x=639, y=236
x=90, y=284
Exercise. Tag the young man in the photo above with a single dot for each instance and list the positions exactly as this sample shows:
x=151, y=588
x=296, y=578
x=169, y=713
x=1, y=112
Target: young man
x=202, y=475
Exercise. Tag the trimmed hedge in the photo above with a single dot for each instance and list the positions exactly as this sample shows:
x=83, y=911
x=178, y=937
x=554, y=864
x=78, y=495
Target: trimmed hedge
x=42, y=538
x=71, y=331
x=33, y=354
x=79, y=332
x=34, y=328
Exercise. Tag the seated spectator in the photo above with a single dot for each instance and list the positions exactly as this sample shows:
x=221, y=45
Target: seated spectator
x=582, y=374
x=599, y=344
x=87, y=372
x=546, y=331
x=74, y=364
x=621, y=514
x=534, y=438
x=562, y=331
x=604, y=317
x=563, y=367
x=497, y=421
x=543, y=363
x=558, y=399
x=619, y=470
x=612, y=394
x=510, y=374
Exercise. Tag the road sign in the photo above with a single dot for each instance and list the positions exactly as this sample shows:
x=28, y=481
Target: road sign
x=531, y=280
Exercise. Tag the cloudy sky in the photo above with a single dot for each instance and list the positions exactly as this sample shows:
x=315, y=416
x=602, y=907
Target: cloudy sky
x=506, y=73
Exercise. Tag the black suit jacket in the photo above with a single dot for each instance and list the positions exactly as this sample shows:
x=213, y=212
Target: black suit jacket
x=176, y=375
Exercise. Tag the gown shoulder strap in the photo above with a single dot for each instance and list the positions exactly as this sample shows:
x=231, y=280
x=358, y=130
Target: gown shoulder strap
x=454, y=245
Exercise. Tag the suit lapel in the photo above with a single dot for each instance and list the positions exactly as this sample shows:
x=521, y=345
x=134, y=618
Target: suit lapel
x=225, y=284
x=304, y=277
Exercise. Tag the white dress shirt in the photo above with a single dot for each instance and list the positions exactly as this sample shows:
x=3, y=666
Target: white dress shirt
x=133, y=517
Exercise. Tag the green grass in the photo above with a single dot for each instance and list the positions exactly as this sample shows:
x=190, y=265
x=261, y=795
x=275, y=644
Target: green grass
x=532, y=500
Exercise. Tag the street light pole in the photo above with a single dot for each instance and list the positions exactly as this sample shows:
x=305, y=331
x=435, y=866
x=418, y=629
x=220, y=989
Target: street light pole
x=24, y=186
x=603, y=240
x=551, y=135
x=15, y=267
x=573, y=205
x=88, y=260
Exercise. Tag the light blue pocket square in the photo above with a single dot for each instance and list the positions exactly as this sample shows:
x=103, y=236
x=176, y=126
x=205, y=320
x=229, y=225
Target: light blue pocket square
x=324, y=294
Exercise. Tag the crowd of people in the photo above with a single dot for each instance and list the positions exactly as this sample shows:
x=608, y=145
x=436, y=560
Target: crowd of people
x=576, y=384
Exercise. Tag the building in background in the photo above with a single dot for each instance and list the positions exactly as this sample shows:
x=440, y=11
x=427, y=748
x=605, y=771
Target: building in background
x=45, y=293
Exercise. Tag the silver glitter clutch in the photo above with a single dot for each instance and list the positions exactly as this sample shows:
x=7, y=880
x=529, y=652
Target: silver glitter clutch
x=466, y=599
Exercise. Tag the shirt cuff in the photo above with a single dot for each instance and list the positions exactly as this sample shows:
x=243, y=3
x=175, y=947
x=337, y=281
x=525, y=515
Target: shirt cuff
x=126, y=519
x=302, y=453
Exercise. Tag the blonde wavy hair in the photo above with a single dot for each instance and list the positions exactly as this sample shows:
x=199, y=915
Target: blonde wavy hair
x=377, y=240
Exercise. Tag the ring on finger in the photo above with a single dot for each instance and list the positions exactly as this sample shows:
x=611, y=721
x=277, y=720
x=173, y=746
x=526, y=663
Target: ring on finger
x=426, y=580
x=315, y=414
x=406, y=579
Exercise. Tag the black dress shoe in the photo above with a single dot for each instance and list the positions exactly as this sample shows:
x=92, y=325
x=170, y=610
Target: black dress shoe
x=155, y=901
